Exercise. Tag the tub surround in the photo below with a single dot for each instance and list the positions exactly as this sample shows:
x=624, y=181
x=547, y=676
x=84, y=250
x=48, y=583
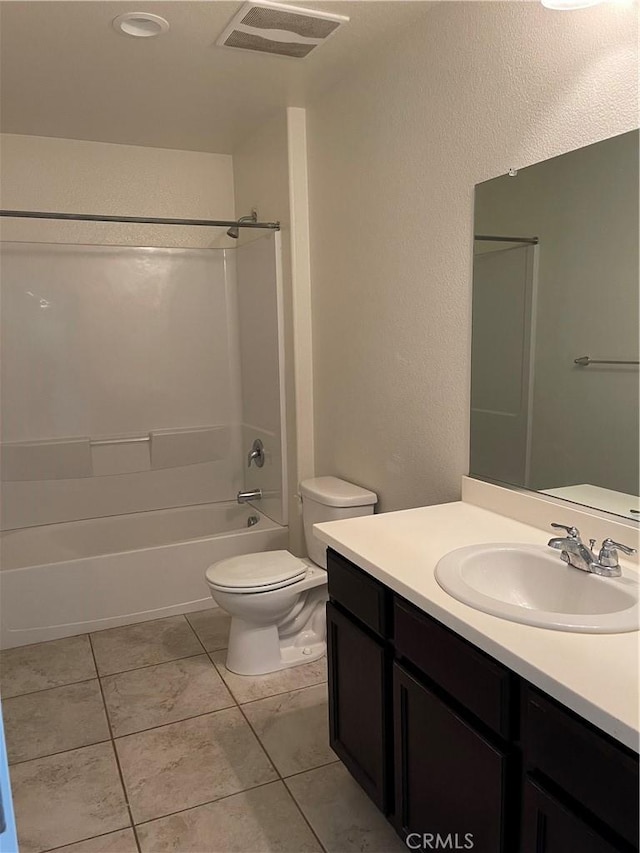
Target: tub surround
x=594, y=675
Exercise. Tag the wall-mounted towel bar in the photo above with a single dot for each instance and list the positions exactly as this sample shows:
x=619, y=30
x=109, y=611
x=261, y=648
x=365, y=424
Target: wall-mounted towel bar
x=585, y=361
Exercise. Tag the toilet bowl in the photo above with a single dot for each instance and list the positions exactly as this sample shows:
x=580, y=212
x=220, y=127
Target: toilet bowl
x=276, y=600
x=276, y=621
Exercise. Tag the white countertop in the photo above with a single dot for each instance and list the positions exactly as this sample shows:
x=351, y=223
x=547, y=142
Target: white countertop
x=595, y=675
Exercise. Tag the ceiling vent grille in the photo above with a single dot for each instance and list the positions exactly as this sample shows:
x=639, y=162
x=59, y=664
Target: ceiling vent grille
x=279, y=30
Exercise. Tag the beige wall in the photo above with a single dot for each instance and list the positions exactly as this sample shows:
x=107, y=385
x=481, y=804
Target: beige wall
x=394, y=153
x=69, y=175
x=261, y=173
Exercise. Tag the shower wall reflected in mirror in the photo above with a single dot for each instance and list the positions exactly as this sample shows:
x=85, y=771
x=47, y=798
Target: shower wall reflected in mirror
x=555, y=338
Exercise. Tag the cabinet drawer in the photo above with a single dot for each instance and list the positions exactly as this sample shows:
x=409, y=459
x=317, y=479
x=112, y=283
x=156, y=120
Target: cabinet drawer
x=592, y=769
x=358, y=593
x=469, y=676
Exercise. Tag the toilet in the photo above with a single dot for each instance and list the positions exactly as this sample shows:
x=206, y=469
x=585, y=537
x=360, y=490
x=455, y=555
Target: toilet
x=277, y=601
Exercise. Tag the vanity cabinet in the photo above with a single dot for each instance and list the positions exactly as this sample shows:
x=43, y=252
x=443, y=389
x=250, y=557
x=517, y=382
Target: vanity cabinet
x=548, y=826
x=595, y=775
x=450, y=744
x=449, y=779
x=360, y=677
x=357, y=707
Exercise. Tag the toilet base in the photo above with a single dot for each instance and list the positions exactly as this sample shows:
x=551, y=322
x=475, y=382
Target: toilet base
x=267, y=656
x=260, y=649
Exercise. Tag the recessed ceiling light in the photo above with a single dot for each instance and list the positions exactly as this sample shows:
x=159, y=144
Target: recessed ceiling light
x=568, y=5
x=140, y=24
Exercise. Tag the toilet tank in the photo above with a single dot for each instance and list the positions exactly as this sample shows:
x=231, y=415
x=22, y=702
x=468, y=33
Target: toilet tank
x=330, y=499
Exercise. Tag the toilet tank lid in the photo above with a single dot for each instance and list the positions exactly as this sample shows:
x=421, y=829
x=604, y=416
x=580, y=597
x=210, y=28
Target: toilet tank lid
x=331, y=491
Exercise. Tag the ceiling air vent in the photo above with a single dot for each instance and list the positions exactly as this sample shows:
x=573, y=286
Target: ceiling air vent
x=280, y=30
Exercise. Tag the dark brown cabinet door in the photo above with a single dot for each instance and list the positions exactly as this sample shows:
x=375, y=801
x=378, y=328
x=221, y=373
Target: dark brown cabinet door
x=584, y=763
x=549, y=827
x=357, y=698
x=450, y=781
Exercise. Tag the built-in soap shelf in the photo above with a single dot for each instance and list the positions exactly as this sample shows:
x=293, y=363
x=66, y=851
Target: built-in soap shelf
x=84, y=456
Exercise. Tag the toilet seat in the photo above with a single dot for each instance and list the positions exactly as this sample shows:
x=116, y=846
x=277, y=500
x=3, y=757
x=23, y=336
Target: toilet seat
x=262, y=572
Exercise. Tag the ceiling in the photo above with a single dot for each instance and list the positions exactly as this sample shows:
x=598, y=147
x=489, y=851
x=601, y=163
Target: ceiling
x=65, y=72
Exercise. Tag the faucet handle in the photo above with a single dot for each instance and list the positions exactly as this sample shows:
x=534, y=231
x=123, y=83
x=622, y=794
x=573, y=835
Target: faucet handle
x=609, y=552
x=256, y=454
x=573, y=532
x=626, y=549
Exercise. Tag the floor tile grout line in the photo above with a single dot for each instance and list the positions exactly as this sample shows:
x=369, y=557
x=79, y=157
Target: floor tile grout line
x=149, y=665
x=116, y=737
x=260, y=698
x=304, y=817
x=280, y=776
x=100, y=631
x=275, y=695
x=115, y=751
x=277, y=781
x=98, y=675
x=112, y=737
x=208, y=654
x=43, y=642
x=159, y=663
x=209, y=802
x=137, y=838
x=6, y=699
x=108, y=739
x=262, y=746
x=207, y=651
x=310, y=769
x=90, y=838
x=193, y=630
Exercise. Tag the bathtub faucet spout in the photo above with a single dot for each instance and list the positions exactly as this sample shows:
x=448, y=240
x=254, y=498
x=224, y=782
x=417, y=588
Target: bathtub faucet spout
x=252, y=495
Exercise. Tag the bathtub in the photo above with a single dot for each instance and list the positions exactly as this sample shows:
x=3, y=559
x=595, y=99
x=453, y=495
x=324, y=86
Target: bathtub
x=58, y=580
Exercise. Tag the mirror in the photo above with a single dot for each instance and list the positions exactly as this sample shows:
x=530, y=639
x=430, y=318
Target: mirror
x=554, y=362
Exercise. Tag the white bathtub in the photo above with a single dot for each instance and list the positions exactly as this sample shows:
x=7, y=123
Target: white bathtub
x=63, y=579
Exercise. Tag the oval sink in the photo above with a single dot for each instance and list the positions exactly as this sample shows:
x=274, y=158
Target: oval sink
x=530, y=584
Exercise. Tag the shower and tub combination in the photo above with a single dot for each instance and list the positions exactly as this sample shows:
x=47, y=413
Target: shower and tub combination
x=137, y=381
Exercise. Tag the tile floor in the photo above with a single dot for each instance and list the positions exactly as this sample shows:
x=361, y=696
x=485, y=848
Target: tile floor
x=139, y=740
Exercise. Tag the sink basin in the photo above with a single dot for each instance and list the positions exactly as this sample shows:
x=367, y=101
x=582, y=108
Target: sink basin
x=530, y=584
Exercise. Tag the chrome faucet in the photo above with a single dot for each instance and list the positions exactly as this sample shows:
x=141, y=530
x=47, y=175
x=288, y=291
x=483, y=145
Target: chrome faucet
x=575, y=553
x=251, y=495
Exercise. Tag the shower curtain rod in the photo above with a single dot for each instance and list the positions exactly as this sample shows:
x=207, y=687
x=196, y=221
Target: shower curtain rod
x=533, y=240
x=141, y=220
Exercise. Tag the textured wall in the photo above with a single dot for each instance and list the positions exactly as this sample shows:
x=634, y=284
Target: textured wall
x=261, y=174
x=394, y=154
x=69, y=175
